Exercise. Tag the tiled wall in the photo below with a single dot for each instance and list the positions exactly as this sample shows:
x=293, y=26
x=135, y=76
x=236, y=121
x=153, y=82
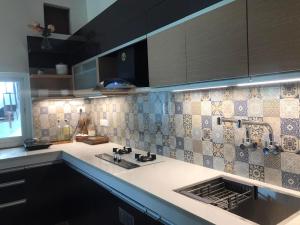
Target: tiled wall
x=183, y=126
x=46, y=113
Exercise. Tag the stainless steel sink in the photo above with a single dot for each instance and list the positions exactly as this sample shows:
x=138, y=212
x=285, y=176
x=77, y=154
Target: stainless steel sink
x=260, y=205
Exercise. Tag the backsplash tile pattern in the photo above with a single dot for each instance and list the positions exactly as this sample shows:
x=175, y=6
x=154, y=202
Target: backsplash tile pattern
x=184, y=126
x=46, y=113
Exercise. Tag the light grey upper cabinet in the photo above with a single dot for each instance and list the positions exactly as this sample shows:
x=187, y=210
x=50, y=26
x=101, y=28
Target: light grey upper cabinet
x=85, y=75
x=274, y=36
x=167, y=57
x=216, y=43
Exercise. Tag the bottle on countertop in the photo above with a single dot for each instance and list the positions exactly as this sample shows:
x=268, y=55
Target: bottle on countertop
x=59, y=131
x=67, y=131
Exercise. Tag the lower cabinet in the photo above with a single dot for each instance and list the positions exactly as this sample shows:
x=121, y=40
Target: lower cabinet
x=55, y=194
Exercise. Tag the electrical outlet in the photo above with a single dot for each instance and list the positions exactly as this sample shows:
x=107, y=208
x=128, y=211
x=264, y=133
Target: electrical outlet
x=104, y=123
x=80, y=109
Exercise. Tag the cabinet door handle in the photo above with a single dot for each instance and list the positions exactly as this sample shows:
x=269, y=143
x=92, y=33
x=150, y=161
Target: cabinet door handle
x=14, y=203
x=12, y=183
x=16, y=169
x=43, y=164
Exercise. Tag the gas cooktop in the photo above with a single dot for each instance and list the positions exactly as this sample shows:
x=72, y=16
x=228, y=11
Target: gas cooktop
x=126, y=158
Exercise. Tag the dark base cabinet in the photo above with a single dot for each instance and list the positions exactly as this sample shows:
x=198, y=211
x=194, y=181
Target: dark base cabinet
x=55, y=194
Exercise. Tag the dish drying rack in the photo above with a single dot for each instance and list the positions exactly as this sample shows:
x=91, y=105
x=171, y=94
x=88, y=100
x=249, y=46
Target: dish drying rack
x=220, y=192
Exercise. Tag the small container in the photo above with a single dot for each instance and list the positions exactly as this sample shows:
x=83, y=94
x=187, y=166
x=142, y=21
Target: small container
x=61, y=69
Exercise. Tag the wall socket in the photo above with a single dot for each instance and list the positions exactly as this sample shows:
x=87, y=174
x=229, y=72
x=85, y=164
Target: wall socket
x=104, y=123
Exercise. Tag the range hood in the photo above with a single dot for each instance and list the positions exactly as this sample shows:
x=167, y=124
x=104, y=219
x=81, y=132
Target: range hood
x=124, y=70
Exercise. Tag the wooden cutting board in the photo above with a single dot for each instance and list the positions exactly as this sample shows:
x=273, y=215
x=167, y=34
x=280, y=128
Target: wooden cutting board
x=96, y=140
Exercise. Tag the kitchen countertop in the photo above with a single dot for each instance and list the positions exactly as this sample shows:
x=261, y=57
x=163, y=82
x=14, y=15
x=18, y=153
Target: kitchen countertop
x=153, y=184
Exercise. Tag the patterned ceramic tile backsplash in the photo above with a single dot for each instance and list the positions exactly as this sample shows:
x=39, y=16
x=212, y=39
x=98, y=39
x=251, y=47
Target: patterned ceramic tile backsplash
x=184, y=126
x=47, y=113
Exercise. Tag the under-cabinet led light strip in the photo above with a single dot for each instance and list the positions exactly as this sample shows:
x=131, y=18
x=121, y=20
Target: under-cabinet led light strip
x=268, y=82
x=95, y=97
x=202, y=88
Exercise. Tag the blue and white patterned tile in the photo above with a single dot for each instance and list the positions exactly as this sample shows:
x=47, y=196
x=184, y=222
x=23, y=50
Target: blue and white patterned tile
x=291, y=180
x=241, y=155
x=256, y=172
x=290, y=127
x=240, y=108
x=178, y=108
x=180, y=143
x=206, y=122
x=189, y=156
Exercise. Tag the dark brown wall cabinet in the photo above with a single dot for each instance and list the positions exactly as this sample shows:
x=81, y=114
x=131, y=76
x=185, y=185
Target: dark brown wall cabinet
x=274, y=36
x=216, y=44
x=167, y=57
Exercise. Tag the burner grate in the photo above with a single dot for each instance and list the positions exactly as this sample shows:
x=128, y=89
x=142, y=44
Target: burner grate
x=220, y=192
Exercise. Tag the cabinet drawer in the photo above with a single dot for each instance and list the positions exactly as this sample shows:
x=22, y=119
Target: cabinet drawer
x=13, y=213
x=11, y=175
x=12, y=191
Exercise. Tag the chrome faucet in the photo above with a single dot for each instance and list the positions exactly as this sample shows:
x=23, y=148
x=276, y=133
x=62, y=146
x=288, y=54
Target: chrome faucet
x=247, y=142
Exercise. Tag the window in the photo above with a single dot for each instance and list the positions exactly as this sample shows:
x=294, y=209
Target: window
x=57, y=16
x=15, y=109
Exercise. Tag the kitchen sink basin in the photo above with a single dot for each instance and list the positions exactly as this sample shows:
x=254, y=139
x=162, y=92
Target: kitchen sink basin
x=260, y=205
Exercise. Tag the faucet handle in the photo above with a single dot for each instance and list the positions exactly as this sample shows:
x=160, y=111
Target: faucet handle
x=219, y=121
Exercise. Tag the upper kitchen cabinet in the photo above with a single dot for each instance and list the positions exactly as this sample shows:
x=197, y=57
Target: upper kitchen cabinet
x=216, y=44
x=274, y=36
x=167, y=57
x=85, y=75
x=164, y=12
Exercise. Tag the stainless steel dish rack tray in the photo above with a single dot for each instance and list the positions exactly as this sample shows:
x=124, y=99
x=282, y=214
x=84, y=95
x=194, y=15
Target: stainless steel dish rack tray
x=220, y=192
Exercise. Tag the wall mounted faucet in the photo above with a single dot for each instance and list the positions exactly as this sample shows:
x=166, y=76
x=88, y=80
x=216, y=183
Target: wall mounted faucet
x=247, y=142
x=270, y=146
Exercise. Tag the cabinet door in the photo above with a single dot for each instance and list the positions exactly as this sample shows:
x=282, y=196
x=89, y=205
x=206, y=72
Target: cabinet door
x=217, y=44
x=45, y=190
x=165, y=12
x=12, y=197
x=85, y=75
x=167, y=57
x=274, y=36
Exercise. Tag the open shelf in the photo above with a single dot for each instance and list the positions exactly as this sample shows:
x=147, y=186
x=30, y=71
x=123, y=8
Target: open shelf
x=50, y=76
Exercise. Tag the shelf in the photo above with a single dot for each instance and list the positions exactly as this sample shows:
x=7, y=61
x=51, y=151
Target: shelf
x=50, y=76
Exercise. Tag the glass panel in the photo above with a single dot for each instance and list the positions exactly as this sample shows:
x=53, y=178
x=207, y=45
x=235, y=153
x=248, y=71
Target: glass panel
x=10, y=118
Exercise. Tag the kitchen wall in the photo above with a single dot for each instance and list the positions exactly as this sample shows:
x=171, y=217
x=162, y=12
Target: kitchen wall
x=15, y=15
x=46, y=113
x=95, y=7
x=183, y=126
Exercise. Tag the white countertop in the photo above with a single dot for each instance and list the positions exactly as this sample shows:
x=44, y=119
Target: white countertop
x=158, y=181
